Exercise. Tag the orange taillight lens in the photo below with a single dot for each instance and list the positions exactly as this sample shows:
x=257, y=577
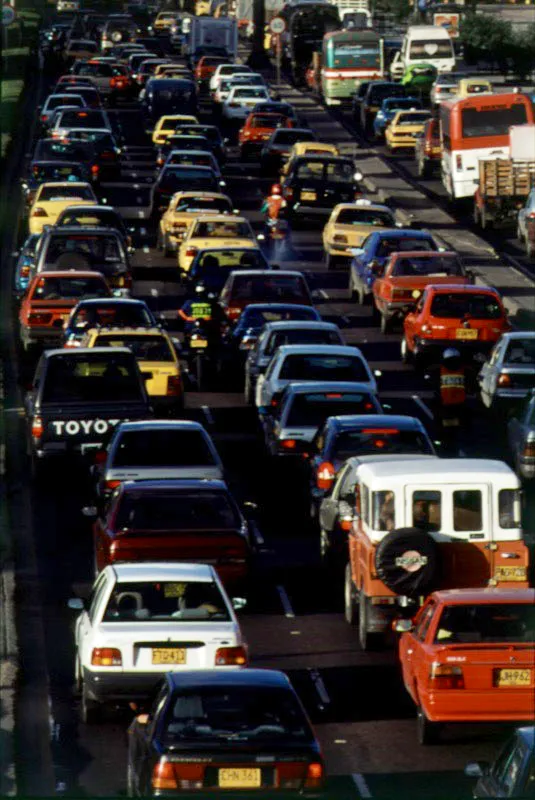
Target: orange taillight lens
x=504, y=380
x=231, y=657
x=325, y=475
x=163, y=776
x=39, y=212
x=314, y=777
x=174, y=386
x=288, y=444
x=37, y=428
x=446, y=676
x=106, y=657
x=112, y=485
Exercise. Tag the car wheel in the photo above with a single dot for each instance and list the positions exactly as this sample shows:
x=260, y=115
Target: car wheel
x=386, y=323
x=350, y=605
x=367, y=640
x=329, y=261
x=90, y=711
x=406, y=355
x=325, y=545
x=427, y=732
x=166, y=250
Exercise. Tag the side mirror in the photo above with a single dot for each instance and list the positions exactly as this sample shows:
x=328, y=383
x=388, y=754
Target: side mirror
x=238, y=603
x=76, y=604
x=402, y=625
x=90, y=511
x=476, y=769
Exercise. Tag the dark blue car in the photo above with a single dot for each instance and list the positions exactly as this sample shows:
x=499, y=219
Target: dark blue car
x=255, y=316
x=388, y=111
x=110, y=312
x=375, y=251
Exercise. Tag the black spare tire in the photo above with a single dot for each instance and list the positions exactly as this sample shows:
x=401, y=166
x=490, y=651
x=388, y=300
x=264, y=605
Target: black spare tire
x=407, y=561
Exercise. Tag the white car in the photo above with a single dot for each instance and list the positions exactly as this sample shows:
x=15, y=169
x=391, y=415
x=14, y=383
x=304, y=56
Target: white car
x=239, y=79
x=242, y=99
x=225, y=71
x=145, y=619
x=63, y=101
x=296, y=363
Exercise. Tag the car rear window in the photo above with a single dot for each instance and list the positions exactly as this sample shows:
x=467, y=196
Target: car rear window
x=520, y=352
x=91, y=379
x=69, y=288
x=301, y=367
x=63, y=100
x=401, y=102
x=379, y=440
x=191, y=159
x=427, y=267
x=314, y=409
x=185, y=178
x=179, y=511
x=409, y=118
x=290, y=137
x=457, y=305
x=267, y=120
x=249, y=92
x=257, y=318
x=403, y=244
x=53, y=172
x=88, y=118
x=96, y=249
x=95, y=70
x=377, y=94
x=112, y=314
x=163, y=448
x=282, y=289
x=166, y=601
x=215, y=204
x=187, y=143
x=145, y=348
x=297, y=336
x=487, y=623
x=101, y=218
x=230, y=229
x=63, y=192
x=60, y=150
x=364, y=216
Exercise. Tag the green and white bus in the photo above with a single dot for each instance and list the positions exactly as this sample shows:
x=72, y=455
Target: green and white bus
x=348, y=58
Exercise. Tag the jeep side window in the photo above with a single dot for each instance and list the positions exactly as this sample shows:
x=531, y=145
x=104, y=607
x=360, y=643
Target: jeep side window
x=384, y=511
x=509, y=508
x=467, y=510
x=365, y=504
x=426, y=510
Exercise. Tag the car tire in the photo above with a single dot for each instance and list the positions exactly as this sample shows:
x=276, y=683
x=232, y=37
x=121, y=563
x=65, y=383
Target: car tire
x=248, y=390
x=386, y=323
x=428, y=732
x=325, y=546
x=350, y=604
x=367, y=641
x=329, y=261
x=406, y=355
x=90, y=711
x=408, y=543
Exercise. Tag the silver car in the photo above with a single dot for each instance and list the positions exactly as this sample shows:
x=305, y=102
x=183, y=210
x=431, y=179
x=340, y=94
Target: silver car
x=525, y=213
x=521, y=440
x=509, y=375
x=445, y=86
x=155, y=450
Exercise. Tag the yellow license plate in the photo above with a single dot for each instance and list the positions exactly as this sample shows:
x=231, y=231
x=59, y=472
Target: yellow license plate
x=466, y=333
x=512, y=677
x=308, y=196
x=168, y=655
x=436, y=151
x=240, y=778
x=199, y=343
x=510, y=574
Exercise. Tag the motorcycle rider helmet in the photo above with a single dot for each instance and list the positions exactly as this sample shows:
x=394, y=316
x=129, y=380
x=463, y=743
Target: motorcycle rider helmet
x=451, y=357
x=276, y=189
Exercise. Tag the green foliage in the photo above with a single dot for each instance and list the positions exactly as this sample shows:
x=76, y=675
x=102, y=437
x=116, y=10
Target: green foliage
x=488, y=38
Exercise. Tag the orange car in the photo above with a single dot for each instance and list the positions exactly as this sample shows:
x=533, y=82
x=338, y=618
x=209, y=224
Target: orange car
x=206, y=68
x=469, y=656
x=471, y=317
x=50, y=298
x=402, y=279
x=258, y=129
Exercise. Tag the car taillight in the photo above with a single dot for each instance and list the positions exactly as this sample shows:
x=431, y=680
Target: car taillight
x=39, y=318
x=504, y=380
x=290, y=775
x=95, y=169
x=44, y=117
x=288, y=444
x=231, y=657
x=189, y=776
x=458, y=162
x=288, y=192
x=174, y=385
x=314, y=777
x=191, y=252
x=233, y=313
x=163, y=776
x=446, y=676
x=106, y=657
x=37, y=428
x=39, y=212
x=160, y=161
x=529, y=450
x=24, y=271
x=345, y=521
x=112, y=485
x=531, y=215
x=325, y=475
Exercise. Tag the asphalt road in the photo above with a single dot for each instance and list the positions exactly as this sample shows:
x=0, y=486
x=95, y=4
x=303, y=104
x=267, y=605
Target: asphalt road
x=294, y=620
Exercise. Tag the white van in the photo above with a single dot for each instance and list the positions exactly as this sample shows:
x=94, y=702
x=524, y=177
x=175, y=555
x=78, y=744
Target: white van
x=431, y=44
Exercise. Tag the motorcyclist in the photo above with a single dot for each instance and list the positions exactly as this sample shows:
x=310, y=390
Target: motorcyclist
x=274, y=203
x=203, y=309
x=452, y=387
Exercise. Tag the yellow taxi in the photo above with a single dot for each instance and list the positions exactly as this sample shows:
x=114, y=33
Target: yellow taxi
x=405, y=126
x=307, y=149
x=156, y=356
x=165, y=20
x=467, y=87
x=348, y=226
x=52, y=197
x=214, y=230
x=167, y=125
x=183, y=209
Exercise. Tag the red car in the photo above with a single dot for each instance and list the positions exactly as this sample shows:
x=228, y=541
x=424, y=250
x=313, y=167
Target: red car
x=469, y=656
x=472, y=318
x=427, y=148
x=244, y=287
x=258, y=129
x=206, y=68
x=50, y=298
x=174, y=520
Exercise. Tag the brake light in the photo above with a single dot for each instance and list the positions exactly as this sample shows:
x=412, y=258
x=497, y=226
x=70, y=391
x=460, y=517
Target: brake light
x=44, y=118
x=112, y=485
x=504, y=380
x=288, y=192
x=325, y=475
x=346, y=522
x=314, y=777
x=446, y=676
x=233, y=312
x=529, y=450
x=37, y=428
x=231, y=657
x=189, y=776
x=95, y=169
x=106, y=657
x=159, y=161
x=163, y=776
x=290, y=775
x=458, y=162
x=117, y=83
x=39, y=212
x=287, y=444
x=380, y=431
x=191, y=252
x=174, y=386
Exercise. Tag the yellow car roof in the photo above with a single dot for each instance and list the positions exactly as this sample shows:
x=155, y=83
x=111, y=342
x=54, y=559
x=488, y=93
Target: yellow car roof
x=61, y=184
x=199, y=195
x=124, y=332
x=226, y=218
x=301, y=148
x=364, y=206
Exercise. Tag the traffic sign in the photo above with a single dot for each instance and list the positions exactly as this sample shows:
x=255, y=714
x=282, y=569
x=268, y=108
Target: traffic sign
x=8, y=14
x=277, y=26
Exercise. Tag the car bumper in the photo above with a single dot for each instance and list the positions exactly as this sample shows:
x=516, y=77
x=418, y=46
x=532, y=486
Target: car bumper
x=121, y=686
x=505, y=395
x=511, y=705
x=340, y=250
x=430, y=347
x=393, y=141
x=42, y=336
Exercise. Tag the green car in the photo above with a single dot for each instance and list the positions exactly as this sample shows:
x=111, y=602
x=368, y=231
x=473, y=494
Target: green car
x=419, y=78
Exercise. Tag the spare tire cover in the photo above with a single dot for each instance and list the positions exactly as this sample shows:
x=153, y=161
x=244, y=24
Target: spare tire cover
x=407, y=561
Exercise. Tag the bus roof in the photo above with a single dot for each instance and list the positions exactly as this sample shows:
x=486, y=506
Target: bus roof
x=487, y=101
x=365, y=35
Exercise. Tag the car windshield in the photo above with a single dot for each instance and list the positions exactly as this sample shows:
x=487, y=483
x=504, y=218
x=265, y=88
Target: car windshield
x=427, y=267
x=91, y=379
x=301, y=336
x=215, y=204
x=413, y=118
x=229, y=229
x=177, y=178
x=145, y=348
x=400, y=244
x=236, y=713
x=64, y=192
x=177, y=511
x=313, y=409
x=316, y=367
x=163, y=448
x=456, y=305
x=520, y=351
x=52, y=288
x=379, y=440
x=113, y=314
x=486, y=623
x=290, y=137
x=213, y=260
x=282, y=289
x=365, y=216
x=53, y=172
x=431, y=48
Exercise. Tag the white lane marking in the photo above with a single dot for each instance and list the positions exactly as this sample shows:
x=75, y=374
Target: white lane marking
x=317, y=680
x=137, y=186
x=258, y=536
x=419, y=402
x=134, y=175
x=362, y=786
x=208, y=415
x=145, y=249
x=346, y=320
x=285, y=600
x=324, y=294
x=143, y=231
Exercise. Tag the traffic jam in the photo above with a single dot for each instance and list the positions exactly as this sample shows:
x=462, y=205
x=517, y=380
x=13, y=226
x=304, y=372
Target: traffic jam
x=280, y=442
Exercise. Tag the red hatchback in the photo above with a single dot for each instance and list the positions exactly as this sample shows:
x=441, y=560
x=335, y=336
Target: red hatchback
x=244, y=287
x=258, y=129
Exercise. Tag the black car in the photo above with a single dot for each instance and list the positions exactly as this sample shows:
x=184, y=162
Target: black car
x=106, y=148
x=180, y=142
x=116, y=312
x=217, y=730
x=211, y=267
x=90, y=94
x=513, y=772
x=371, y=102
x=43, y=171
x=211, y=133
x=276, y=150
x=74, y=150
x=178, y=178
x=95, y=216
x=255, y=316
x=169, y=96
x=316, y=183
